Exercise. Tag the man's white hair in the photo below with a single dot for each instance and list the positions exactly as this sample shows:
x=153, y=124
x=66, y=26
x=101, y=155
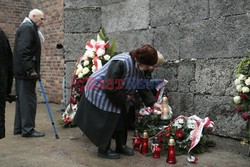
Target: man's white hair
x=34, y=12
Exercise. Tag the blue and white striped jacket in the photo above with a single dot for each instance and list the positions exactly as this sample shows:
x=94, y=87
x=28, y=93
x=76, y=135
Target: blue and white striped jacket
x=97, y=95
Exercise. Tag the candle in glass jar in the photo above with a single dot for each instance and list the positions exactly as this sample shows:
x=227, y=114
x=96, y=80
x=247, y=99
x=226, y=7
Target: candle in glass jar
x=165, y=111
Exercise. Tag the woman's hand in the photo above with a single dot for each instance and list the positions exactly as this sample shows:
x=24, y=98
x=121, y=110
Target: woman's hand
x=157, y=106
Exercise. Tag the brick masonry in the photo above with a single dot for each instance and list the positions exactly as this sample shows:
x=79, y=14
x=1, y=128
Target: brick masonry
x=202, y=42
x=12, y=13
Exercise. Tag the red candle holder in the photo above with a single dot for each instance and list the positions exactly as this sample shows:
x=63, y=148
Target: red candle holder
x=144, y=143
x=136, y=141
x=156, y=149
x=171, y=152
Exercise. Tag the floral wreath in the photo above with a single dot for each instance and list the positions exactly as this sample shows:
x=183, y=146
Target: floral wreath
x=242, y=82
x=98, y=52
x=189, y=133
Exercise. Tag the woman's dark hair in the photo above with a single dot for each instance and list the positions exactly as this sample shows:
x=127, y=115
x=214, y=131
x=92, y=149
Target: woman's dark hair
x=145, y=55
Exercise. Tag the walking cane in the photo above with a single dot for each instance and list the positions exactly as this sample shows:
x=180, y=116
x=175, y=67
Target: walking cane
x=47, y=104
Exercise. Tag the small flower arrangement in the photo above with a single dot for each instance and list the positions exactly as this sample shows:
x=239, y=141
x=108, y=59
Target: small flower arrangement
x=242, y=100
x=98, y=52
x=242, y=82
x=188, y=132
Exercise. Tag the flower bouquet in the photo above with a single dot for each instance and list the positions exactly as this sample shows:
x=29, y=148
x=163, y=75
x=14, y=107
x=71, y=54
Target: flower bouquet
x=98, y=52
x=189, y=133
x=242, y=100
x=242, y=82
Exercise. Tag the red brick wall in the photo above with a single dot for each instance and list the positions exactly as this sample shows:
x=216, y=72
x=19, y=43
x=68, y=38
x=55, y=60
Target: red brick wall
x=12, y=12
x=52, y=66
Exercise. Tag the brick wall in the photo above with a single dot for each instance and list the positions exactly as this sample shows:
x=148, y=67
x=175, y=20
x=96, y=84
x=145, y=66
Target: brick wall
x=12, y=12
x=52, y=63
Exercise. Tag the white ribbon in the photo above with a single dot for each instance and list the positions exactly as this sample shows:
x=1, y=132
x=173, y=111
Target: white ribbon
x=161, y=88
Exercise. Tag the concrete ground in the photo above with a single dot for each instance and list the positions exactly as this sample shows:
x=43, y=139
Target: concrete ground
x=75, y=150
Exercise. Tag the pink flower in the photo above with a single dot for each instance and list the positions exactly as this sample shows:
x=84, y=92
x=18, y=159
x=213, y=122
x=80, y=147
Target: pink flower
x=167, y=134
x=79, y=82
x=239, y=109
x=245, y=116
x=243, y=96
x=179, y=133
x=67, y=119
x=72, y=100
x=82, y=89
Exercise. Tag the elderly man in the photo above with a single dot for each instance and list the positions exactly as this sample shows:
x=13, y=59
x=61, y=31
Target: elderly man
x=26, y=59
x=6, y=77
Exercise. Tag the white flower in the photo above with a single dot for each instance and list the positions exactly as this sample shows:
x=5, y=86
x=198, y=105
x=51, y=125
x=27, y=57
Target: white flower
x=100, y=52
x=239, y=88
x=84, y=58
x=245, y=89
x=237, y=99
x=79, y=66
x=93, y=68
x=191, y=123
x=79, y=69
x=237, y=82
x=247, y=82
x=99, y=40
x=180, y=121
x=242, y=77
x=85, y=71
x=106, y=57
x=177, y=125
x=93, y=42
x=80, y=75
x=85, y=63
x=89, y=53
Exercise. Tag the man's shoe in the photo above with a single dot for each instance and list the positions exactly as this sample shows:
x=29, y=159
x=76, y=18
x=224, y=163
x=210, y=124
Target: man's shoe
x=109, y=154
x=34, y=134
x=123, y=149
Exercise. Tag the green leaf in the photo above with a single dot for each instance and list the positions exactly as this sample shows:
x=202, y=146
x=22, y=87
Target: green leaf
x=112, y=48
x=102, y=35
x=243, y=67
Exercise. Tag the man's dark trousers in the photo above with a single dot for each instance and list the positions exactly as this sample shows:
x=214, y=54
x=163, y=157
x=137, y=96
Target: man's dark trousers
x=25, y=106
